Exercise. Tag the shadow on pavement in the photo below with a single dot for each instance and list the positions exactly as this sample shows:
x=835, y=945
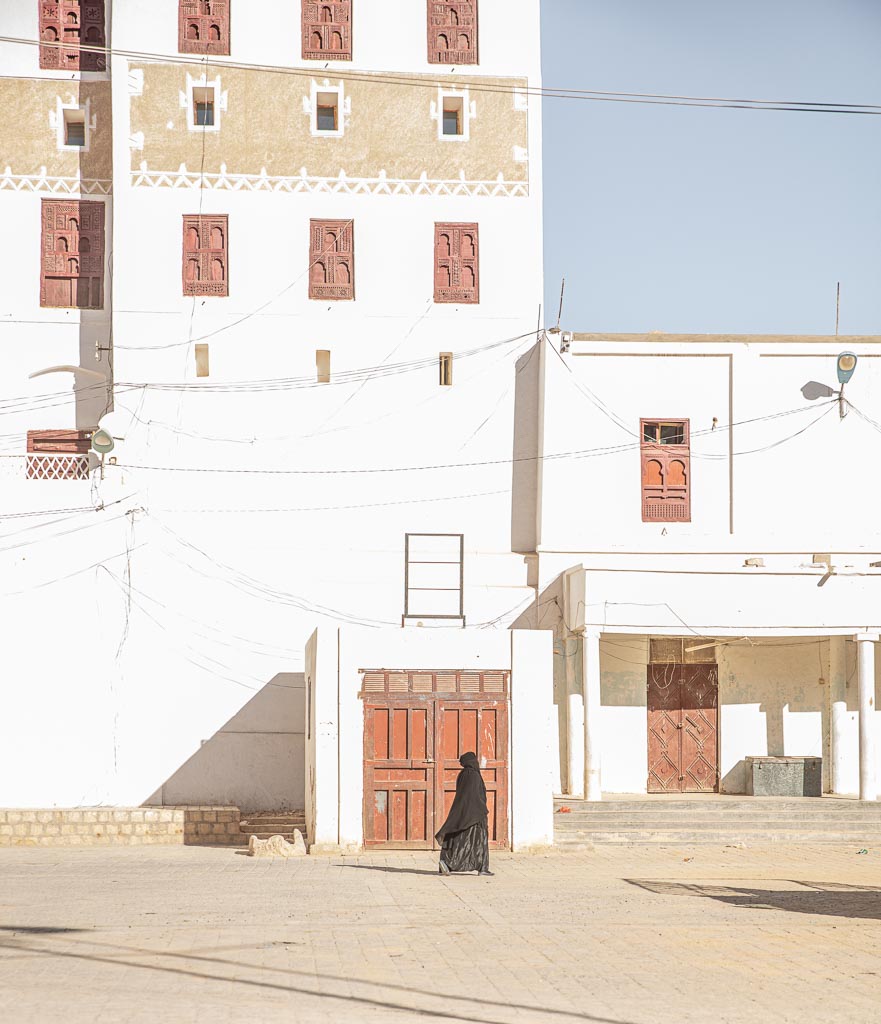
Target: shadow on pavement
x=830, y=899
x=121, y=956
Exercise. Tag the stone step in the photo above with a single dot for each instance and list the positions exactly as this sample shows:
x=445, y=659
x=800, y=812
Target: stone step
x=723, y=806
x=663, y=820
x=685, y=837
x=265, y=824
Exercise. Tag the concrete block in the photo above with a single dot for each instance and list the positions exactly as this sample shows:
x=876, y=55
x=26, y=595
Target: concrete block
x=28, y=815
x=210, y=816
x=154, y=816
x=73, y=816
x=14, y=817
x=136, y=816
x=90, y=816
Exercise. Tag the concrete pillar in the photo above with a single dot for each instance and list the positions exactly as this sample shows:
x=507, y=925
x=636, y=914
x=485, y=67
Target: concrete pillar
x=866, y=673
x=590, y=677
x=574, y=721
x=836, y=684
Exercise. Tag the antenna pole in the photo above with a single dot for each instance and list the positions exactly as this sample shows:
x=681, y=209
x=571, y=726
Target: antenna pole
x=837, y=305
x=560, y=313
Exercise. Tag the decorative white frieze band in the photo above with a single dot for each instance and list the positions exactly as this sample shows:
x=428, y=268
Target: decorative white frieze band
x=43, y=182
x=340, y=185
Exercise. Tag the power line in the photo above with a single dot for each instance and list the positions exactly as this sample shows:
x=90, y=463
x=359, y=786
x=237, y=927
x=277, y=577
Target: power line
x=430, y=82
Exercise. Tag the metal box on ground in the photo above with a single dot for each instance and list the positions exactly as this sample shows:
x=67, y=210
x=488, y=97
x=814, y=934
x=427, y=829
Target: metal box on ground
x=784, y=776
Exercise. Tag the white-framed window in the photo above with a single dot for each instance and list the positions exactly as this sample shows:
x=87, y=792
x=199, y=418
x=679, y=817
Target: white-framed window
x=453, y=111
x=203, y=100
x=328, y=109
x=73, y=125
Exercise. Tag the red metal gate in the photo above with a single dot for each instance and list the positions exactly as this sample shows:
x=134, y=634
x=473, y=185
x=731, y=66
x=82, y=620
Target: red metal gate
x=416, y=724
x=682, y=728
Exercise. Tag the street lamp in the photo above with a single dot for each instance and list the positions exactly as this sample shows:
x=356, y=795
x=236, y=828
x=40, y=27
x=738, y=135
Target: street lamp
x=845, y=365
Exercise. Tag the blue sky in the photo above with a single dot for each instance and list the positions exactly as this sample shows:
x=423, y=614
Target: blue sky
x=686, y=220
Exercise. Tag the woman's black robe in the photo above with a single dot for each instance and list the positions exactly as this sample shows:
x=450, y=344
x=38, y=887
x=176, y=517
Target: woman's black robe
x=464, y=836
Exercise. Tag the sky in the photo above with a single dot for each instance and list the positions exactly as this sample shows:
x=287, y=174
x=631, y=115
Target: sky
x=713, y=221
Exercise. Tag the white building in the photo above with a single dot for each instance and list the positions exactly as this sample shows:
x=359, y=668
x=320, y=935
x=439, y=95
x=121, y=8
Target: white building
x=709, y=551
x=315, y=260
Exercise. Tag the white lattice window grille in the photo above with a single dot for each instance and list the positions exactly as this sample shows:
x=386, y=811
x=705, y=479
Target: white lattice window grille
x=73, y=125
x=44, y=466
x=204, y=100
x=434, y=578
x=328, y=109
x=453, y=111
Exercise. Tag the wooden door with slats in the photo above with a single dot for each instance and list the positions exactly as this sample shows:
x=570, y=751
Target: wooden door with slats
x=416, y=725
x=683, y=728
x=481, y=726
x=399, y=773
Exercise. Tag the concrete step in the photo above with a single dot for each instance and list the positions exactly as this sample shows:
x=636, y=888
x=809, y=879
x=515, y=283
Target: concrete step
x=722, y=821
x=805, y=805
x=266, y=823
x=686, y=837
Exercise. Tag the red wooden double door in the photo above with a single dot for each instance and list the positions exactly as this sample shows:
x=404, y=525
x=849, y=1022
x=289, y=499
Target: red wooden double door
x=412, y=744
x=683, y=728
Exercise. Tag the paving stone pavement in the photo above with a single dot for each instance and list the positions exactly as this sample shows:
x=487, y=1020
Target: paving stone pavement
x=620, y=935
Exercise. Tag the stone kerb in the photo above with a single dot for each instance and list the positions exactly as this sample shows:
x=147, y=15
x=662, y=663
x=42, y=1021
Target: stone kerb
x=121, y=826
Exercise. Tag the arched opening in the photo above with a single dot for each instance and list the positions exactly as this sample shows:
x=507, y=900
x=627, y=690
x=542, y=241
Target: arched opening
x=205, y=7
x=217, y=270
x=193, y=241
x=464, y=41
x=336, y=41
x=193, y=270
x=61, y=245
x=316, y=43
x=654, y=474
x=468, y=245
x=319, y=273
x=326, y=15
x=452, y=16
x=193, y=31
x=676, y=474
x=85, y=245
x=342, y=273
x=73, y=265
x=72, y=19
x=330, y=241
x=443, y=277
x=216, y=238
x=73, y=224
x=93, y=35
x=214, y=33
x=443, y=245
x=50, y=34
x=468, y=278
x=442, y=42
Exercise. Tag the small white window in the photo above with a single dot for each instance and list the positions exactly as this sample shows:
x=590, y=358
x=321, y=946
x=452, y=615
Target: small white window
x=322, y=365
x=74, y=128
x=445, y=367
x=454, y=113
x=327, y=108
x=203, y=107
x=327, y=112
x=203, y=101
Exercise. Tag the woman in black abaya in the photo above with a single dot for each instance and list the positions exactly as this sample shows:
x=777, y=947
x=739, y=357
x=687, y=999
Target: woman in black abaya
x=464, y=836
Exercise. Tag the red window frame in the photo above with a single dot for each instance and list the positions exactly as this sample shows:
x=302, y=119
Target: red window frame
x=456, y=263
x=64, y=27
x=72, y=254
x=332, y=264
x=208, y=17
x=445, y=17
x=665, y=472
x=324, y=25
x=201, y=260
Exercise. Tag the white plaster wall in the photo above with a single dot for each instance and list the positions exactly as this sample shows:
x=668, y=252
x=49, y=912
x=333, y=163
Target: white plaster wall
x=623, y=736
x=387, y=34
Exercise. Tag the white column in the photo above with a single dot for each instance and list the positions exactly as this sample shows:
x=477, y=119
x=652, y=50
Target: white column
x=590, y=669
x=836, y=683
x=866, y=671
x=574, y=720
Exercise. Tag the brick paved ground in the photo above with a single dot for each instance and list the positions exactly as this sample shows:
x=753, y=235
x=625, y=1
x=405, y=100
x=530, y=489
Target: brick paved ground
x=618, y=936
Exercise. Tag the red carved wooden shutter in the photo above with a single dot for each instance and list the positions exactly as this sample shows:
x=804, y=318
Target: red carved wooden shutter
x=452, y=31
x=72, y=254
x=64, y=27
x=58, y=454
x=456, y=263
x=331, y=259
x=203, y=26
x=666, y=471
x=327, y=30
x=206, y=255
